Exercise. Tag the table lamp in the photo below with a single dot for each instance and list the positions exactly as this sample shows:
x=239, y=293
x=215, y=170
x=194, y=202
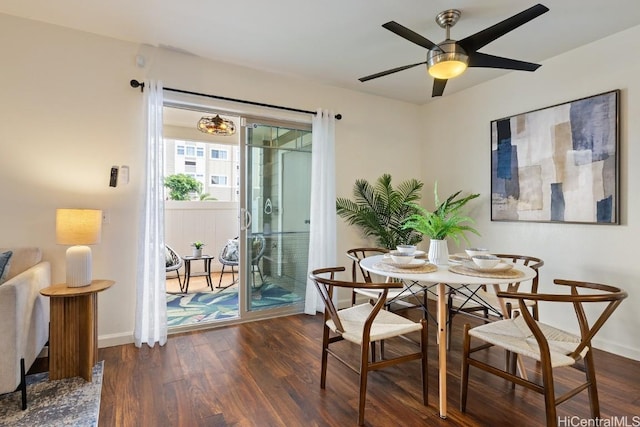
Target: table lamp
x=78, y=227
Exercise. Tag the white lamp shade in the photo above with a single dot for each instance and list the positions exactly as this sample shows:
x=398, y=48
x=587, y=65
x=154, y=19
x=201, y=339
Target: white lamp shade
x=78, y=227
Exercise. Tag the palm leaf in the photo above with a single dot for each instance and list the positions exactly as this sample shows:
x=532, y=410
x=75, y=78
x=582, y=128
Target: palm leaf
x=445, y=221
x=380, y=211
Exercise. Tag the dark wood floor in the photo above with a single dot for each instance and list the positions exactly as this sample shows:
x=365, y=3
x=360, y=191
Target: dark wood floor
x=267, y=373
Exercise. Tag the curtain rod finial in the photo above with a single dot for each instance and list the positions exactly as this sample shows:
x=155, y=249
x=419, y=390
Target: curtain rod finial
x=134, y=84
x=338, y=116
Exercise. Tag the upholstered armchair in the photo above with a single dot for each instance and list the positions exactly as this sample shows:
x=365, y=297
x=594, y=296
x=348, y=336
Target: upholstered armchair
x=24, y=314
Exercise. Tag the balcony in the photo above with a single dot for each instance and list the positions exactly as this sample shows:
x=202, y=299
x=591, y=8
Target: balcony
x=283, y=266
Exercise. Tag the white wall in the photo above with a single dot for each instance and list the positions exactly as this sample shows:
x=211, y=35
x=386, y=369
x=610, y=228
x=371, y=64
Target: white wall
x=68, y=115
x=457, y=134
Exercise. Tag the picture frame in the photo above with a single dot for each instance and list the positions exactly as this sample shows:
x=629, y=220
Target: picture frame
x=559, y=163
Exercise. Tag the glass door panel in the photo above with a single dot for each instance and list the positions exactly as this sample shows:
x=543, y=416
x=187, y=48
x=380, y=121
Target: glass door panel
x=277, y=199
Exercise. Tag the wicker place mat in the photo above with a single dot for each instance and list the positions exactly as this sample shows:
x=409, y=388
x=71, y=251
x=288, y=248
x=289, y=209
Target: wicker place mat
x=426, y=268
x=506, y=274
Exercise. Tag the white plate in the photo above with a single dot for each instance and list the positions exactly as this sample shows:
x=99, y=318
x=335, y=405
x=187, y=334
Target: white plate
x=418, y=254
x=458, y=258
x=413, y=264
x=501, y=266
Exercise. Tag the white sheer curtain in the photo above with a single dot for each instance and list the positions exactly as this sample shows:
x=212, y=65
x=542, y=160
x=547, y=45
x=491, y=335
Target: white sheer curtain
x=322, y=239
x=151, y=303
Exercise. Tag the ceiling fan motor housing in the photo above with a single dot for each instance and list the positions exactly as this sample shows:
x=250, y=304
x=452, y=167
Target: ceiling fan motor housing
x=447, y=60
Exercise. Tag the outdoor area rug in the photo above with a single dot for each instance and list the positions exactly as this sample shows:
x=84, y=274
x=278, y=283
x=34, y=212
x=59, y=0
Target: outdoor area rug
x=66, y=402
x=185, y=309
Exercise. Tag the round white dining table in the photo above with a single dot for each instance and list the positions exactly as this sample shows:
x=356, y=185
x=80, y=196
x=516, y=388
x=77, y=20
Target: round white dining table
x=443, y=278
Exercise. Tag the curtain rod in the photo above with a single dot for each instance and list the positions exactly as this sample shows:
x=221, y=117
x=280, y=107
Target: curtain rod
x=134, y=84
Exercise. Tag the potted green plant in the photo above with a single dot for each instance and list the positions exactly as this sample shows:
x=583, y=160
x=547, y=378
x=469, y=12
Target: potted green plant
x=444, y=222
x=197, y=249
x=379, y=210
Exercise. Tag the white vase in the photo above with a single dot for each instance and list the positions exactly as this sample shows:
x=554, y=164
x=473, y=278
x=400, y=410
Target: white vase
x=197, y=253
x=438, y=252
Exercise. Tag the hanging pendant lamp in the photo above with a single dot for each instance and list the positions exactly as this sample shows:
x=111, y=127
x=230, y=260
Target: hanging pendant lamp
x=216, y=125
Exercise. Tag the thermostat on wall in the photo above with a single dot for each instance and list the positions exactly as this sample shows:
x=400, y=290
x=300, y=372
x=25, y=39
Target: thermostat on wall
x=113, y=179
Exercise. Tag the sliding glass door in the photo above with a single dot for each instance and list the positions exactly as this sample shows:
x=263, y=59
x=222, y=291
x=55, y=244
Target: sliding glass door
x=254, y=186
x=275, y=210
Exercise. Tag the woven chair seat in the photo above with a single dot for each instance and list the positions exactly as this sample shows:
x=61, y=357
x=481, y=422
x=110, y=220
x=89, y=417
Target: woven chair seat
x=514, y=335
x=386, y=324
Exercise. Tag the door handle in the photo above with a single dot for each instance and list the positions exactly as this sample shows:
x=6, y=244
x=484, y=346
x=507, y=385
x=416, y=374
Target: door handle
x=246, y=217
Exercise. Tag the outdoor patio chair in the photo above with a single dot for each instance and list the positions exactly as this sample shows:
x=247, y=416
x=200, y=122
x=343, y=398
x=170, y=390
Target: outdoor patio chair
x=259, y=245
x=230, y=256
x=363, y=325
x=173, y=262
x=549, y=346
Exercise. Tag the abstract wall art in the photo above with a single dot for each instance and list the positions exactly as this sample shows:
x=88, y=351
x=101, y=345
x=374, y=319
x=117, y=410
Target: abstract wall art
x=558, y=164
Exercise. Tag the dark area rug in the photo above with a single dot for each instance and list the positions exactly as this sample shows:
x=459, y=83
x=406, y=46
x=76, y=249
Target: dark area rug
x=185, y=309
x=66, y=402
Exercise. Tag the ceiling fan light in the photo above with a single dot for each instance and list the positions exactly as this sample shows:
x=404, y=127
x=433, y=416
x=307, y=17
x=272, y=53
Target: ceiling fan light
x=447, y=69
x=447, y=60
x=216, y=126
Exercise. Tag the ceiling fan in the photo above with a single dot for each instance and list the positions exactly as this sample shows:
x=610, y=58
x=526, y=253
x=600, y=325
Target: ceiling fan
x=450, y=58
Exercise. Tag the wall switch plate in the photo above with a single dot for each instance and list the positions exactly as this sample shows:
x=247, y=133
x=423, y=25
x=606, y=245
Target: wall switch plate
x=124, y=174
x=106, y=216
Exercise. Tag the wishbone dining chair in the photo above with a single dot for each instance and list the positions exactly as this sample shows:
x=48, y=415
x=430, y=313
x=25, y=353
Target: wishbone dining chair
x=363, y=325
x=399, y=296
x=550, y=346
x=485, y=301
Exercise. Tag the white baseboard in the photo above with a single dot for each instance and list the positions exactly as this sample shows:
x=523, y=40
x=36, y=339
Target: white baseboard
x=615, y=348
x=115, y=339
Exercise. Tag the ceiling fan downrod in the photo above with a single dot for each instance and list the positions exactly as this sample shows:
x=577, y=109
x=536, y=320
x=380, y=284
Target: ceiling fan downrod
x=448, y=19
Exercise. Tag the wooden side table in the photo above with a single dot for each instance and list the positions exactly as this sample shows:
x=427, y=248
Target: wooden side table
x=73, y=336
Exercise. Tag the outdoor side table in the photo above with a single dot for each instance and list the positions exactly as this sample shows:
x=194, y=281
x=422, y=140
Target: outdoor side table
x=188, y=274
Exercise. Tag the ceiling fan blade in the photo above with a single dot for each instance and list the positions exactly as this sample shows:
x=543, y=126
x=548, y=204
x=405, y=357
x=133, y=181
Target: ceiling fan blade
x=486, y=36
x=393, y=70
x=438, y=87
x=478, y=59
x=407, y=34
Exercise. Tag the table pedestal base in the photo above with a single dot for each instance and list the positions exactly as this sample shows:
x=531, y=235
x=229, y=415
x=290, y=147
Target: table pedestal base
x=73, y=344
